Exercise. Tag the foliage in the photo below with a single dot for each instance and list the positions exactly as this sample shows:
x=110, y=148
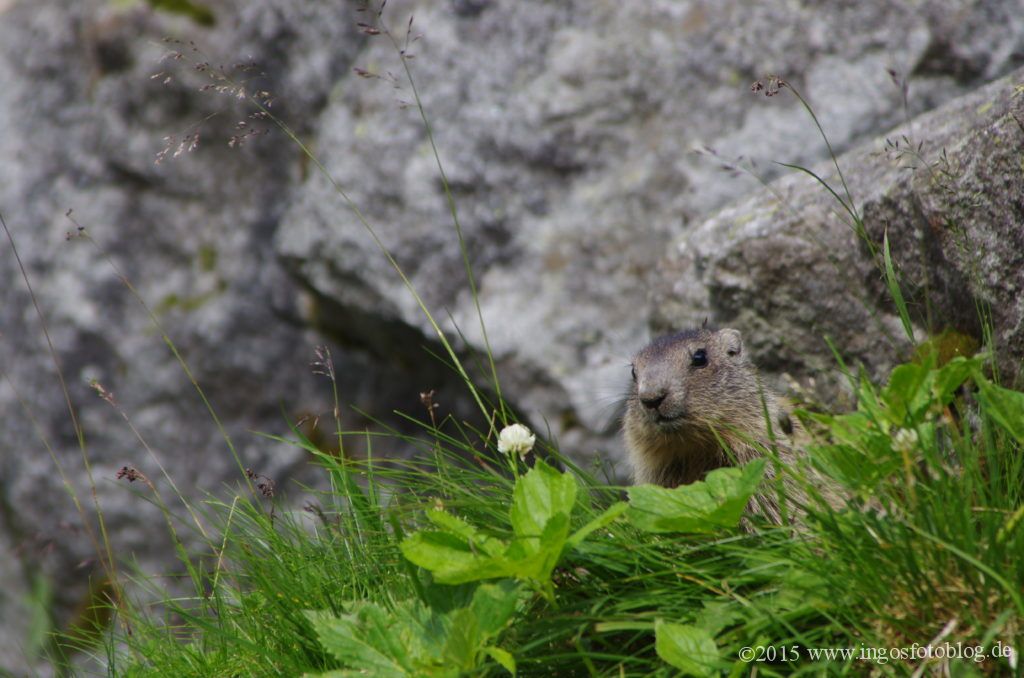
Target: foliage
x=688, y=648
x=482, y=563
x=414, y=640
x=703, y=506
x=542, y=503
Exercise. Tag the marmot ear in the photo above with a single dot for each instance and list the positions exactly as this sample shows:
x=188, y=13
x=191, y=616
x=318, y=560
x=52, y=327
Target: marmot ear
x=733, y=341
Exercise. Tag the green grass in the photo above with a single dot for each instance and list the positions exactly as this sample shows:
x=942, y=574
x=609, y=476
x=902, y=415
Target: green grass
x=928, y=538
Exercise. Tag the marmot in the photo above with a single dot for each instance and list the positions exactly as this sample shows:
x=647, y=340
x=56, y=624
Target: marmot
x=693, y=392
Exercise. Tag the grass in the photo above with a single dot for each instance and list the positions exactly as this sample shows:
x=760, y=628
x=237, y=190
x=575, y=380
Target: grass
x=467, y=560
x=927, y=548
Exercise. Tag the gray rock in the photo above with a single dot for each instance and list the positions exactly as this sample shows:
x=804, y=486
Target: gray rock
x=83, y=123
x=567, y=131
x=787, y=267
x=15, y=602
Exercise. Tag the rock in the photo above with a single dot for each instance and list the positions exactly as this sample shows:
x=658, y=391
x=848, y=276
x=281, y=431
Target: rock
x=787, y=267
x=568, y=133
x=16, y=603
x=84, y=121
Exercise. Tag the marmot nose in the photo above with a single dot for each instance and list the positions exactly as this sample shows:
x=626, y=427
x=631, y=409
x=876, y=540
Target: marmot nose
x=652, y=402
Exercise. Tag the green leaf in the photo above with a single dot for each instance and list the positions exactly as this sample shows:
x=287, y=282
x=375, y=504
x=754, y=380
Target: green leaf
x=542, y=504
x=867, y=401
x=494, y=605
x=453, y=559
x=690, y=649
x=953, y=374
x=847, y=429
x=472, y=627
x=615, y=626
x=201, y=14
x=860, y=468
x=536, y=557
x=504, y=658
x=460, y=528
x=1005, y=406
x=909, y=392
x=443, y=598
x=606, y=518
x=362, y=641
x=703, y=506
x=413, y=640
x=718, y=615
x=463, y=639
x=538, y=497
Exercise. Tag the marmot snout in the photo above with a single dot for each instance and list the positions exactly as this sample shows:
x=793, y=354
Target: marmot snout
x=697, y=404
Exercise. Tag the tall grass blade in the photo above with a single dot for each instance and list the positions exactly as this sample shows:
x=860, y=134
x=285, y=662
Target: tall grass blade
x=893, y=285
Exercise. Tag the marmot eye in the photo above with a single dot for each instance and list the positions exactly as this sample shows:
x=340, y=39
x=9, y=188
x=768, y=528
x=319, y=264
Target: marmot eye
x=700, y=358
x=633, y=368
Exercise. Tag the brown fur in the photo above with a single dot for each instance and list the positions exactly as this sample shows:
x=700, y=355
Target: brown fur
x=684, y=419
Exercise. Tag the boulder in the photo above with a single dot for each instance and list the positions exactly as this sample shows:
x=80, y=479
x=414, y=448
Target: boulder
x=567, y=132
x=791, y=267
x=84, y=121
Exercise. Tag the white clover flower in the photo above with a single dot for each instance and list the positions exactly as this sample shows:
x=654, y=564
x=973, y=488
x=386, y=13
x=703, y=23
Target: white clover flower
x=904, y=440
x=516, y=439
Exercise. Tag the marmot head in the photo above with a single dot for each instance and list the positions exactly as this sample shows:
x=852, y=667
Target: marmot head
x=693, y=378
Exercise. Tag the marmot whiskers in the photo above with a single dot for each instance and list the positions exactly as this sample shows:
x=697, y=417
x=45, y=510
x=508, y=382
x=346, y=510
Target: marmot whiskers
x=697, y=404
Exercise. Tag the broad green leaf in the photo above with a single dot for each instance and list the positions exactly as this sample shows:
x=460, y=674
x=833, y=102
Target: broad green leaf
x=1005, y=406
x=362, y=640
x=472, y=627
x=504, y=658
x=494, y=605
x=909, y=392
x=443, y=598
x=535, y=557
x=849, y=429
x=539, y=496
x=953, y=374
x=542, y=503
x=460, y=528
x=718, y=615
x=454, y=560
x=703, y=506
x=413, y=640
x=463, y=639
x=690, y=649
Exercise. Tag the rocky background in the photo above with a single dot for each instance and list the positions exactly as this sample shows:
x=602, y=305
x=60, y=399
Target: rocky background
x=597, y=154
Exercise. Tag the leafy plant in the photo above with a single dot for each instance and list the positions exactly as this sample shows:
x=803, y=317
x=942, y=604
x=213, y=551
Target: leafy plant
x=690, y=649
x=701, y=507
x=414, y=640
x=540, y=515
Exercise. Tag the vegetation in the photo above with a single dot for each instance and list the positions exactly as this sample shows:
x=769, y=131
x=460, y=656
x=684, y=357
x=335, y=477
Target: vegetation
x=479, y=562
x=494, y=553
